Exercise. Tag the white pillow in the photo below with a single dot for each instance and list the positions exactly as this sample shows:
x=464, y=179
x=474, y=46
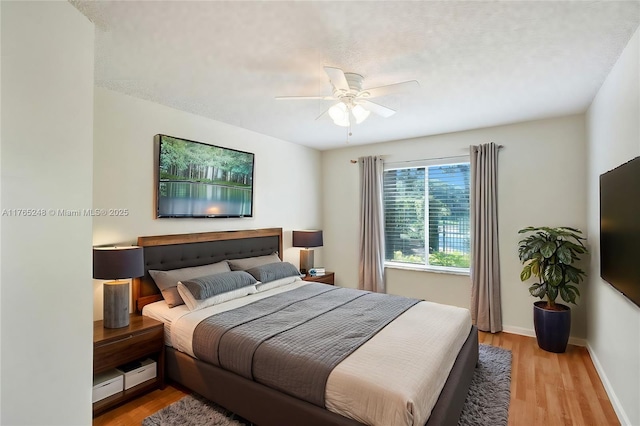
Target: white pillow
x=194, y=304
x=252, y=262
x=276, y=283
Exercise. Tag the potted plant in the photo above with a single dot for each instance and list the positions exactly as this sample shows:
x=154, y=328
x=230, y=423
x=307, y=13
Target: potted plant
x=548, y=254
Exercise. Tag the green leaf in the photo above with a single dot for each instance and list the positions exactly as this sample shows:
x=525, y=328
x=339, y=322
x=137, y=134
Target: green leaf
x=538, y=290
x=574, y=274
x=529, y=247
x=564, y=254
x=552, y=292
x=575, y=247
x=535, y=267
x=547, y=249
x=574, y=289
x=527, y=229
x=577, y=231
x=567, y=295
x=553, y=274
x=526, y=273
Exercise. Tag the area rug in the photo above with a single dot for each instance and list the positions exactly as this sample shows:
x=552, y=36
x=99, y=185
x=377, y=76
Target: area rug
x=487, y=403
x=194, y=410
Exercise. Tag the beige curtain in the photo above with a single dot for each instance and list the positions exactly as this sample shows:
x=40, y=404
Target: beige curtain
x=485, y=265
x=371, y=268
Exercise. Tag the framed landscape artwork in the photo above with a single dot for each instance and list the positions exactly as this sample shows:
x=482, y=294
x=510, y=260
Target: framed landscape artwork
x=198, y=180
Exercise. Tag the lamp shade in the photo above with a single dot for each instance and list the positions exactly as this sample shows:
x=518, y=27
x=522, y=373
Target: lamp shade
x=307, y=239
x=113, y=263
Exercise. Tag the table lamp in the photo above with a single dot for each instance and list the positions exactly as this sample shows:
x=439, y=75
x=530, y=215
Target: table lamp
x=117, y=264
x=306, y=239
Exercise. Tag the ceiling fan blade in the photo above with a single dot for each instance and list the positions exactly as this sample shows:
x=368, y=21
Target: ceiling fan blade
x=391, y=88
x=337, y=78
x=375, y=108
x=297, y=98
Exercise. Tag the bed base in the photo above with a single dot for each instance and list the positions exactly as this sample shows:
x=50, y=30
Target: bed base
x=253, y=401
x=264, y=406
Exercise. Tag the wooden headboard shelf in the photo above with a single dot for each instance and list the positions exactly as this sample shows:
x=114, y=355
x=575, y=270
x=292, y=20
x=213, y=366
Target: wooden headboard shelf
x=166, y=251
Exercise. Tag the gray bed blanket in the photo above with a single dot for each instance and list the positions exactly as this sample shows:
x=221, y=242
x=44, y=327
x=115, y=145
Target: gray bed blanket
x=293, y=340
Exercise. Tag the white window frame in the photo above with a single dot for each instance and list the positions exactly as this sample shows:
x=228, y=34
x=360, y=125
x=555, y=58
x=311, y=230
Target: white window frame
x=427, y=163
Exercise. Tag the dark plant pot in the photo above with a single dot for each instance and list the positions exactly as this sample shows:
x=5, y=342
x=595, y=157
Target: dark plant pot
x=552, y=327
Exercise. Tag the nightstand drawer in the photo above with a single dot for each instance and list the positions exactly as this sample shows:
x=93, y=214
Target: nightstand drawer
x=327, y=278
x=133, y=377
x=129, y=347
x=107, y=384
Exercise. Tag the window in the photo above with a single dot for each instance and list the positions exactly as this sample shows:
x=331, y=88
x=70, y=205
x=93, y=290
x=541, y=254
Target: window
x=426, y=214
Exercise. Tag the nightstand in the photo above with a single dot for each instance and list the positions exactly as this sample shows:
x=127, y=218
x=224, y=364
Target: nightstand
x=327, y=278
x=142, y=338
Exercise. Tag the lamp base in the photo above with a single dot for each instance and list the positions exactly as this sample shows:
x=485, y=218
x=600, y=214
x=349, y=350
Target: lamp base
x=306, y=260
x=115, y=304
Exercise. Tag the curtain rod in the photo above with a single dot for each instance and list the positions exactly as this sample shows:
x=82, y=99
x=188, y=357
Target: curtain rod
x=424, y=159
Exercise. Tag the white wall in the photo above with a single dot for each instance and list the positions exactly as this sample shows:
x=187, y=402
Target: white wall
x=0, y=220
x=47, y=133
x=541, y=182
x=286, y=180
x=613, y=123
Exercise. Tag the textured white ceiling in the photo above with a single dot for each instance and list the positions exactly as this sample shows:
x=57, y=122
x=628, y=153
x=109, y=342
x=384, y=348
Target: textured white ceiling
x=479, y=63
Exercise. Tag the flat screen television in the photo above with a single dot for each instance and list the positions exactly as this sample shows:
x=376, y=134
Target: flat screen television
x=197, y=180
x=620, y=229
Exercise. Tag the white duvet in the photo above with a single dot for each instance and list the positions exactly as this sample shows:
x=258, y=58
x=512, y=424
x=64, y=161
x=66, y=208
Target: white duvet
x=393, y=379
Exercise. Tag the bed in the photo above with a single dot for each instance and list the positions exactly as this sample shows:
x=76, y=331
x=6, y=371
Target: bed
x=267, y=405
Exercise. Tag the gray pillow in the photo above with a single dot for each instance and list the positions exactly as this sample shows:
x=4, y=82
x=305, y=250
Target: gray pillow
x=252, y=262
x=168, y=280
x=211, y=285
x=273, y=271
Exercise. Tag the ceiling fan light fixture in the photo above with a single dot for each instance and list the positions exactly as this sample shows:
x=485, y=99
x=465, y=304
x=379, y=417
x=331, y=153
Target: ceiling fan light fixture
x=343, y=123
x=360, y=113
x=339, y=113
x=352, y=99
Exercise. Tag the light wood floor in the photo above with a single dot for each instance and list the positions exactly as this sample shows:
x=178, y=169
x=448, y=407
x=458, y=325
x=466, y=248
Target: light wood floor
x=552, y=389
x=546, y=389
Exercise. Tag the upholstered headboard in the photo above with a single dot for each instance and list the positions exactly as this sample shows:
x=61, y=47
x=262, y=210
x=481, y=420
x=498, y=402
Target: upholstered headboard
x=165, y=252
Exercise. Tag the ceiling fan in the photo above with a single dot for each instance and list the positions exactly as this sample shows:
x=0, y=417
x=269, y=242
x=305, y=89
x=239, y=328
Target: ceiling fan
x=352, y=99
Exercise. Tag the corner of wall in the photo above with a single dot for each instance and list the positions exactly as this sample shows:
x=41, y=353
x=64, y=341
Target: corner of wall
x=613, y=323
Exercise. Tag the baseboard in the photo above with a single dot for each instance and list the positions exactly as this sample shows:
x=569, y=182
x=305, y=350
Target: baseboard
x=615, y=402
x=531, y=333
